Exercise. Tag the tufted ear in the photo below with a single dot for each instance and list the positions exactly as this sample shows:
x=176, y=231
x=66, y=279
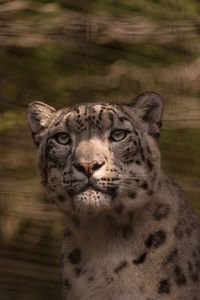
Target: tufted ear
x=39, y=115
x=149, y=107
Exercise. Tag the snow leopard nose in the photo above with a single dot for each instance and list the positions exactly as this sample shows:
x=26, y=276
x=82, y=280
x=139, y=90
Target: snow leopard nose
x=87, y=168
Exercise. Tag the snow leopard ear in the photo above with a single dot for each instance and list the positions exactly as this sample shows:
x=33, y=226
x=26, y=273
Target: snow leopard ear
x=39, y=115
x=149, y=107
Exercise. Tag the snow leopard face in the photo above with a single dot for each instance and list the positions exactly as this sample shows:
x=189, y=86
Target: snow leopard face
x=98, y=157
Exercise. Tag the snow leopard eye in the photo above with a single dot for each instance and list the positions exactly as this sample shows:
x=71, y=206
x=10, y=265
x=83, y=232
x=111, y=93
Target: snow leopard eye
x=118, y=135
x=62, y=138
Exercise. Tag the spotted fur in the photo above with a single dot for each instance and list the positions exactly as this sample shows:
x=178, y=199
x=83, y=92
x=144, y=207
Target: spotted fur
x=130, y=233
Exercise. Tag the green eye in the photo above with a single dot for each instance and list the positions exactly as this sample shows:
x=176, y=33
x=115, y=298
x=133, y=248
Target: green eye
x=63, y=138
x=118, y=135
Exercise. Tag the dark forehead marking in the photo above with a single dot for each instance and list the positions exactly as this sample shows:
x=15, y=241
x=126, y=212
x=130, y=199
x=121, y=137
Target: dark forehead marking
x=85, y=111
x=109, y=110
x=112, y=112
x=93, y=110
x=89, y=112
x=111, y=117
x=91, y=106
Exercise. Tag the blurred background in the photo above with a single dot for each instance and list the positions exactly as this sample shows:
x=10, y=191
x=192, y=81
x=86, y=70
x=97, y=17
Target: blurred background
x=65, y=52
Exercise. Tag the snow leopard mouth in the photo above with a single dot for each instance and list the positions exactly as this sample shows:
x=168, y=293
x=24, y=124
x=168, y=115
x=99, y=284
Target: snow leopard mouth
x=110, y=191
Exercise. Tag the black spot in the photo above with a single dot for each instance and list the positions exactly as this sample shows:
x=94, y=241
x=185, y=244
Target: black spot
x=144, y=185
x=91, y=278
x=142, y=155
x=108, y=280
x=75, y=256
x=155, y=239
x=149, y=165
x=119, y=208
x=195, y=276
x=161, y=211
x=70, y=192
x=61, y=198
x=178, y=231
x=135, y=143
x=111, y=117
x=188, y=231
x=193, y=273
x=67, y=232
x=126, y=230
x=121, y=266
x=190, y=267
x=140, y=259
x=164, y=287
x=112, y=191
x=179, y=276
x=66, y=283
x=129, y=161
x=34, y=137
x=171, y=256
x=78, y=271
x=132, y=195
x=150, y=193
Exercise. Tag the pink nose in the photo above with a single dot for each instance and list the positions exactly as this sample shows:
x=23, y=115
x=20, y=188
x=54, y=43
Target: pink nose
x=87, y=168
